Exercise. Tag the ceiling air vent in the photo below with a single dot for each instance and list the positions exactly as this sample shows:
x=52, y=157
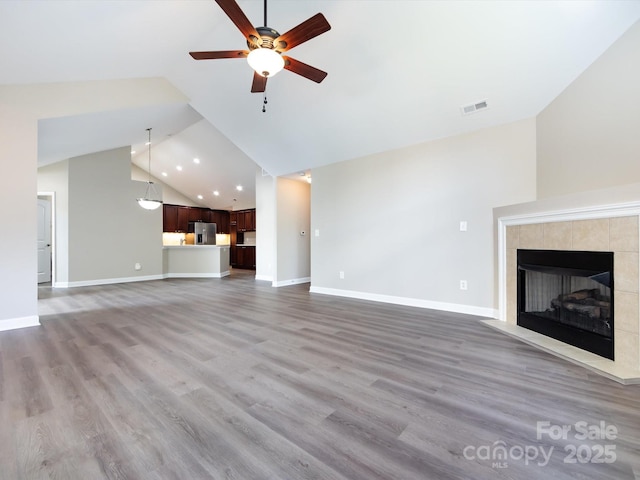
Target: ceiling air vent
x=474, y=107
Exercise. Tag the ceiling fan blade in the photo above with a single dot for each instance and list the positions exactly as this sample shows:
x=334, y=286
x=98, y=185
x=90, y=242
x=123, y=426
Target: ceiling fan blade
x=219, y=54
x=307, y=30
x=237, y=16
x=307, y=71
x=259, y=84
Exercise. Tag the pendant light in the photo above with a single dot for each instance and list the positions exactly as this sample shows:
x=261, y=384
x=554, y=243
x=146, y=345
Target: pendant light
x=150, y=201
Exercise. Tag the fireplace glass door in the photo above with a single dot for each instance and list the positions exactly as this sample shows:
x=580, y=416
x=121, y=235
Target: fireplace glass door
x=568, y=295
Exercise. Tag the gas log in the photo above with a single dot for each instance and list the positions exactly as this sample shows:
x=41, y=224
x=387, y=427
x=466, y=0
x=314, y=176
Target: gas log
x=587, y=302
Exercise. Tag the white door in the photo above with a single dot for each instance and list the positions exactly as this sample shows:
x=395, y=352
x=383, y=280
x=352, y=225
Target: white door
x=44, y=240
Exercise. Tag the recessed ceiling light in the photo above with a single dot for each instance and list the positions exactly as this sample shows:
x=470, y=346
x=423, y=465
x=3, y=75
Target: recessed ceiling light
x=200, y=197
x=216, y=193
x=164, y=174
x=179, y=168
x=196, y=160
x=239, y=188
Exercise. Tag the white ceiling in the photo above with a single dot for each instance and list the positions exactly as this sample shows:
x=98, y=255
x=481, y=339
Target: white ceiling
x=399, y=71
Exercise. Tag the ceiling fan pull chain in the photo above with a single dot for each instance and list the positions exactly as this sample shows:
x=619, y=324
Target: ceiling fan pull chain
x=264, y=102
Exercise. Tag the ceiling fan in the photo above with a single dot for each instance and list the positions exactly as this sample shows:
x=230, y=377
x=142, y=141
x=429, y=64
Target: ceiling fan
x=266, y=46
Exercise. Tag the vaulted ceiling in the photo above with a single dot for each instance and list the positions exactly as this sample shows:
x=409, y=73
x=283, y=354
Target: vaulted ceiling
x=399, y=73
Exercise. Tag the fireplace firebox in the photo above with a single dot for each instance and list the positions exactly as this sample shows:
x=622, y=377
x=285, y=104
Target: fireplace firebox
x=568, y=295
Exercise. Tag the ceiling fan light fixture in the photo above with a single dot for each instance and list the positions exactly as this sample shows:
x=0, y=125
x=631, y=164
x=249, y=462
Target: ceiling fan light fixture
x=265, y=61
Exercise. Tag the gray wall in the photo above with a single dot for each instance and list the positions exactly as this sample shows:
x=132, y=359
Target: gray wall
x=589, y=136
x=391, y=221
x=282, y=212
x=292, y=217
x=101, y=230
x=18, y=258
x=265, y=226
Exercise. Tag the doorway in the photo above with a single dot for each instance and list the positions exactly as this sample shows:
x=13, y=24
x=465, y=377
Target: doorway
x=45, y=238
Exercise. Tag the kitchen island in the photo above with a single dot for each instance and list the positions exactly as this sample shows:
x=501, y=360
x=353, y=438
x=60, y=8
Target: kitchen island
x=195, y=261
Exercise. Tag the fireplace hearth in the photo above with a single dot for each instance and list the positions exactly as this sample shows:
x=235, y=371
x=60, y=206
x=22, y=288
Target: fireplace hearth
x=568, y=295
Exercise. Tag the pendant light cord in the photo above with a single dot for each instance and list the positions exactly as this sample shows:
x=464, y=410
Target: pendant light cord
x=149, y=130
x=265, y=13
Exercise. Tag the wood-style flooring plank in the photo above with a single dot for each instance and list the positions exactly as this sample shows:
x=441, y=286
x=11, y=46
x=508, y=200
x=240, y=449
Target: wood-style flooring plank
x=234, y=379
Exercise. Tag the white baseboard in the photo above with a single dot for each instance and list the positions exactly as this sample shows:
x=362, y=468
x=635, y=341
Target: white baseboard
x=106, y=281
x=265, y=278
x=293, y=281
x=409, y=302
x=197, y=275
x=20, y=322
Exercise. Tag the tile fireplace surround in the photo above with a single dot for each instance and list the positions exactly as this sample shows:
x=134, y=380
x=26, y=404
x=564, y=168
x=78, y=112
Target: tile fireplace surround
x=611, y=229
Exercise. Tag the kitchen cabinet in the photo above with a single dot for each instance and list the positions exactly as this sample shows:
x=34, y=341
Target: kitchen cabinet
x=224, y=221
x=245, y=257
x=183, y=219
x=221, y=219
x=240, y=225
x=197, y=214
x=240, y=221
x=176, y=218
x=246, y=220
x=250, y=220
x=170, y=218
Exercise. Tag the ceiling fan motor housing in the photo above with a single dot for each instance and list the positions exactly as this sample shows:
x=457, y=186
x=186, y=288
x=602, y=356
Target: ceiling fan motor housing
x=266, y=40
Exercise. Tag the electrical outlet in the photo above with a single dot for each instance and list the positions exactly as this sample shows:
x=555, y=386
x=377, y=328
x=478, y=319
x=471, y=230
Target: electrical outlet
x=463, y=284
x=317, y=232
x=137, y=266
x=463, y=226
x=341, y=275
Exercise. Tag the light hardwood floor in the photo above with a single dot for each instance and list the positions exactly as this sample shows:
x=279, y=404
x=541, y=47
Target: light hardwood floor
x=233, y=379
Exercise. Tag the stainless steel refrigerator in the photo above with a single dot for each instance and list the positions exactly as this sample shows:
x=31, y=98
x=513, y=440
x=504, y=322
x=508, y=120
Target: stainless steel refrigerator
x=204, y=233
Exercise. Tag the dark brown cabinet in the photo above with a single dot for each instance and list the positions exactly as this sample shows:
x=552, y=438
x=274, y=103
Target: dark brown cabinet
x=250, y=220
x=240, y=225
x=197, y=214
x=176, y=218
x=183, y=219
x=245, y=220
x=241, y=221
x=224, y=221
x=245, y=257
x=221, y=219
x=170, y=218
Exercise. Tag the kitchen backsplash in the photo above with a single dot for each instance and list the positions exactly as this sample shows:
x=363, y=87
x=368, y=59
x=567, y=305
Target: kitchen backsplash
x=249, y=238
x=171, y=238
